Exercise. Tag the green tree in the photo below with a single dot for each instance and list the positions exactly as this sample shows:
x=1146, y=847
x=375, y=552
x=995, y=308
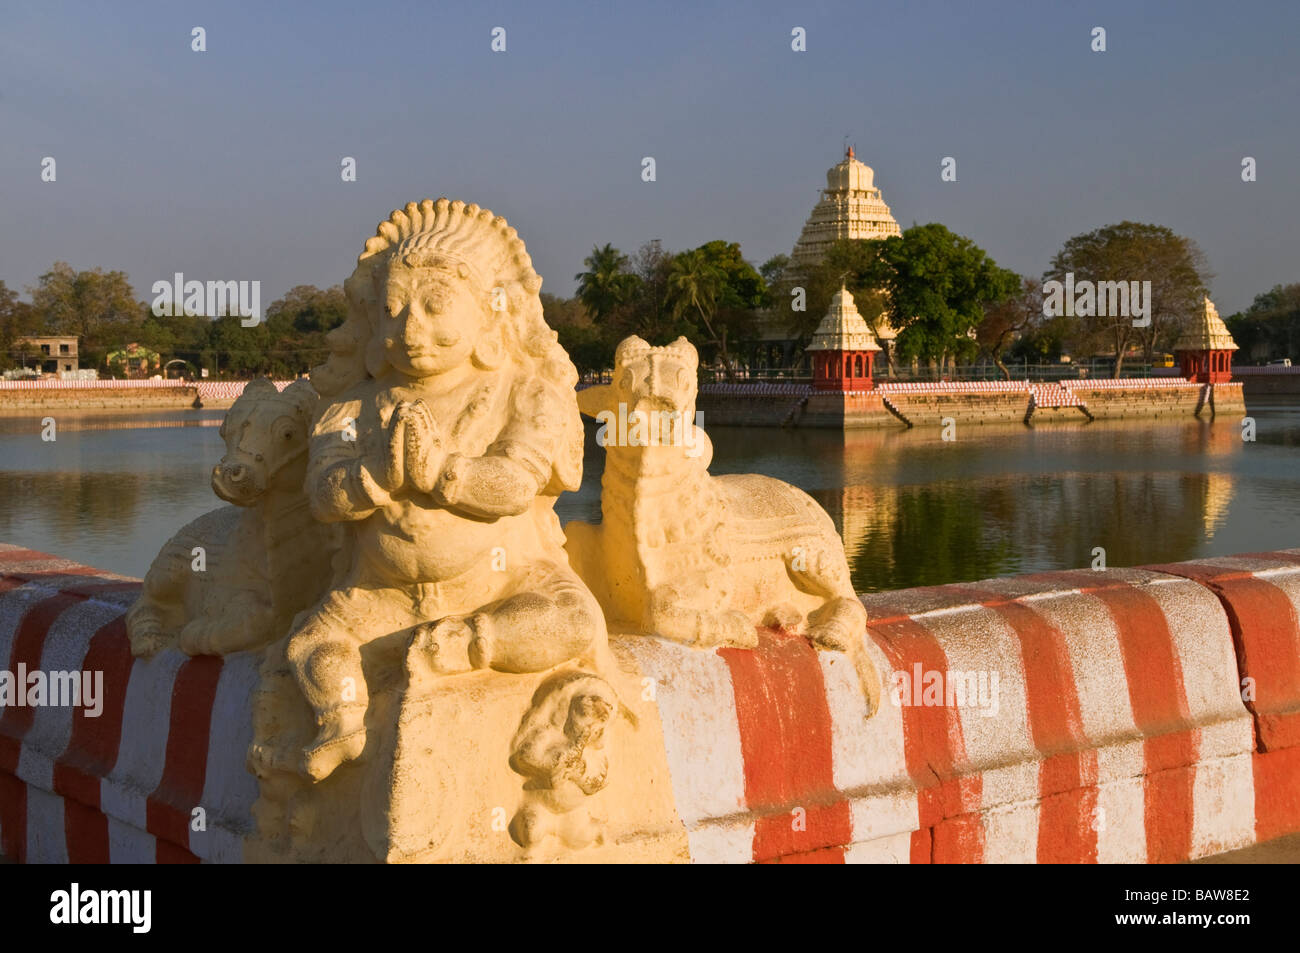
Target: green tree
x=97, y=305
x=607, y=283
x=714, y=292
x=296, y=326
x=939, y=284
x=1135, y=251
x=1270, y=328
x=1006, y=320
x=774, y=269
x=17, y=320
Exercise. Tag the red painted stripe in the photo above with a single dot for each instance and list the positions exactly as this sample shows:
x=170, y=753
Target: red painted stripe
x=1158, y=698
x=23, y=555
x=168, y=853
x=16, y=720
x=13, y=793
x=1067, y=769
x=1277, y=793
x=13, y=818
x=29, y=640
x=93, y=747
x=1266, y=635
x=785, y=740
x=948, y=805
x=169, y=808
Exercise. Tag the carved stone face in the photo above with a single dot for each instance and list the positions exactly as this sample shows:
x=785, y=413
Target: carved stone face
x=264, y=431
x=431, y=320
x=656, y=378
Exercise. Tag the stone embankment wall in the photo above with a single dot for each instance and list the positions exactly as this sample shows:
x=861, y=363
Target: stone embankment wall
x=1271, y=381
x=980, y=402
x=28, y=397
x=1124, y=715
x=52, y=400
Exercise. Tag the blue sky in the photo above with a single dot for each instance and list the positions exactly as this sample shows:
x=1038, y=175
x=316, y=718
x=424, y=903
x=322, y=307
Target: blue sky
x=225, y=164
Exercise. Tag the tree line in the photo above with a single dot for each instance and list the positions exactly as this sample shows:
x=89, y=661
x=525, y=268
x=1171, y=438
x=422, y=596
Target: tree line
x=948, y=300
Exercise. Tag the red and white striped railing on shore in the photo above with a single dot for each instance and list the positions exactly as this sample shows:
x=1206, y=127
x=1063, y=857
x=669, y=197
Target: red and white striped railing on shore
x=1128, y=383
x=105, y=384
x=953, y=387
x=207, y=390
x=1125, y=715
x=228, y=390
x=1054, y=395
x=756, y=389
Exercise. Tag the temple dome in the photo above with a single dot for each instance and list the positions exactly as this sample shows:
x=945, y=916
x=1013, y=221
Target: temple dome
x=843, y=328
x=850, y=207
x=1206, y=332
x=849, y=175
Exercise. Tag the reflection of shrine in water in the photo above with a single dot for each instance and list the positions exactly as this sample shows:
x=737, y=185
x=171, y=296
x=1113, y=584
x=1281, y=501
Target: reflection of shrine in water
x=913, y=513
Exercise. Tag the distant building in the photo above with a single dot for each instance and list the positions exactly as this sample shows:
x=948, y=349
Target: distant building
x=134, y=361
x=843, y=348
x=850, y=207
x=1205, y=347
x=49, y=355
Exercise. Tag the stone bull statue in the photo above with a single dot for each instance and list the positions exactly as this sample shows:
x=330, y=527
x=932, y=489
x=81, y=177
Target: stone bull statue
x=233, y=579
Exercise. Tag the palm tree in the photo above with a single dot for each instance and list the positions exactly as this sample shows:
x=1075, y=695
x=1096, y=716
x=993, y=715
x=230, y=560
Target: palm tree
x=606, y=283
x=694, y=283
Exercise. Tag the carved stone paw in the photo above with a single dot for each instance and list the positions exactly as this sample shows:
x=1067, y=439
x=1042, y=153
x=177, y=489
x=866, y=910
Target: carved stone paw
x=146, y=636
x=838, y=626
x=732, y=629
x=341, y=738
x=783, y=616
x=448, y=645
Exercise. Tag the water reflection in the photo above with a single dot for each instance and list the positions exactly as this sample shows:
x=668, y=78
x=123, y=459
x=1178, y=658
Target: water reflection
x=912, y=509
x=111, y=488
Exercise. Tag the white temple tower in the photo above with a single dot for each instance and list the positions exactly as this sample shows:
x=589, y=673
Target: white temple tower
x=850, y=207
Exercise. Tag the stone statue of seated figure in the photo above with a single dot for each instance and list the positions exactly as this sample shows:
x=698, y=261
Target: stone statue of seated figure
x=449, y=428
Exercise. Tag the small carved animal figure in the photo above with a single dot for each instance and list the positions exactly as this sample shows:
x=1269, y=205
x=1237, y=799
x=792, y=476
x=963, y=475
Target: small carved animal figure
x=233, y=579
x=559, y=747
x=697, y=558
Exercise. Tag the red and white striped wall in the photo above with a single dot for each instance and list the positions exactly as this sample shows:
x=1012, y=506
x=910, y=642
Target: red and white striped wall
x=171, y=736
x=1119, y=734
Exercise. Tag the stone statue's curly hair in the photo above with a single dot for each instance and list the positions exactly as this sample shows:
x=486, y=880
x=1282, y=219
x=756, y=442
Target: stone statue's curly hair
x=483, y=249
x=479, y=247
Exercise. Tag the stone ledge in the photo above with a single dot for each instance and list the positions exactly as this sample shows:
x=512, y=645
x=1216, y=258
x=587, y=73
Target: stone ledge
x=1117, y=732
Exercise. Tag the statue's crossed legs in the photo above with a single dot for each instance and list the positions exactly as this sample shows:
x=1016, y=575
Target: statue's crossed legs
x=535, y=617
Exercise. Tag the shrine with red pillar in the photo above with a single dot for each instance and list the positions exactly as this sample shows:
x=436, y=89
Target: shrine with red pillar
x=843, y=349
x=1205, y=348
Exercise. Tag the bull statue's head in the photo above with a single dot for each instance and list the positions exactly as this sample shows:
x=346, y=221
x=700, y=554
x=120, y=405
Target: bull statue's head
x=647, y=379
x=266, y=433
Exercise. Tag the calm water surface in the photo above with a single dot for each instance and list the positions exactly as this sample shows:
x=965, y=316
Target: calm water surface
x=913, y=509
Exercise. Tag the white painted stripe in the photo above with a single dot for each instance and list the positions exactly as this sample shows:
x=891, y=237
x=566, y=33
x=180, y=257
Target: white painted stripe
x=894, y=849
x=64, y=650
x=697, y=707
x=1011, y=832
x=13, y=606
x=46, y=839
x=1121, y=822
x=146, y=721
x=868, y=761
x=729, y=841
x=128, y=844
x=994, y=725
x=1100, y=682
x=229, y=789
x=1202, y=641
x=1223, y=805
